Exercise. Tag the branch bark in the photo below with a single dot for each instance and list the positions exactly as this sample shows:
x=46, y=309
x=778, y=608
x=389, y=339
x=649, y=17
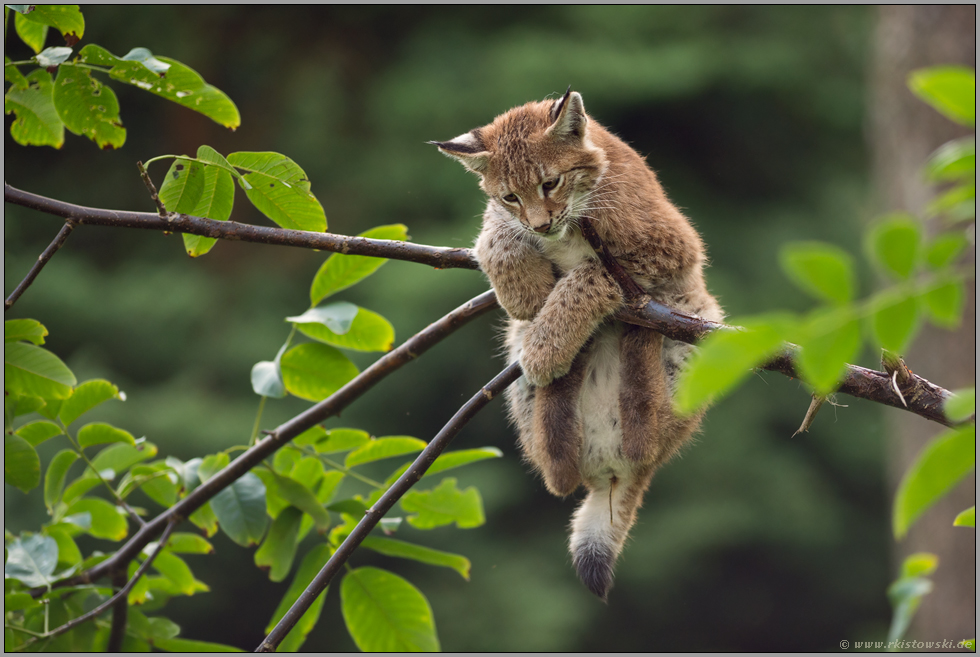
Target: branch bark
x=42, y=260
x=374, y=515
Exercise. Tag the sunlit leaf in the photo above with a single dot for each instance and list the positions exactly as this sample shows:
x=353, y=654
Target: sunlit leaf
x=829, y=340
x=822, y=270
x=51, y=57
x=31, y=560
x=176, y=570
x=280, y=189
x=38, y=431
x=314, y=560
x=279, y=547
x=966, y=518
x=30, y=330
x=311, y=436
x=895, y=320
x=368, y=331
x=342, y=440
x=945, y=249
x=340, y=271
x=394, y=548
x=384, y=613
x=953, y=160
x=956, y=205
x=450, y=460
x=443, y=505
x=54, y=478
x=33, y=33
x=215, y=202
x=191, y=646
x=961, y=405
x=85, y=397
x=267, y=379
x=67, y=19
x=240, y=510
x=108, y=520
x=952, y=90
x=68, y=552
x=939, y=467
x=315, y=371
x=212, y=465
x=383, y=448
x=304, y=499
x=96, y=433
x=187, y=543
x=944, y=304
x=33, y=370
x=183, y=186
x=21, y=465
x=88, y=107
x=894, y=244
x=37, y=122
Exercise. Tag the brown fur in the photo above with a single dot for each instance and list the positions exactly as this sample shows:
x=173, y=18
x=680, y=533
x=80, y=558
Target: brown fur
x=543, y=165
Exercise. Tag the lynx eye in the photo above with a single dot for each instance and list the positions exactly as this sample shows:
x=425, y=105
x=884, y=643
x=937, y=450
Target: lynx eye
x=550, y=184
x=511, y=198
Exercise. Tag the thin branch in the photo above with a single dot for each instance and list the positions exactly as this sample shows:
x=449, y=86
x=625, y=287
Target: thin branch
x=332, y=405
x=377, y=511
x=119, y=597
x=120, y=611
x=42, y=260
x=161, y=209
x=434, y=256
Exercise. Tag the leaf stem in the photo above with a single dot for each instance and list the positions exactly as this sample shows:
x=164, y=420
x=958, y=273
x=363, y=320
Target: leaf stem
x=120, y=501
x=347, y=471
x=258, y=419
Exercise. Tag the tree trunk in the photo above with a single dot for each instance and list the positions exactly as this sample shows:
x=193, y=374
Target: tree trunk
x=904, y=132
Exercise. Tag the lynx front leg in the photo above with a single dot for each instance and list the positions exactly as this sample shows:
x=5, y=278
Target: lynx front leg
x=558, y=431
x=644, y=398
x=574, y=309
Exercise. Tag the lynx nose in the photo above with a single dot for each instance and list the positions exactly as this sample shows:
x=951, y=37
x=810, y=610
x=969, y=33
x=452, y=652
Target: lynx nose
x=543, y=228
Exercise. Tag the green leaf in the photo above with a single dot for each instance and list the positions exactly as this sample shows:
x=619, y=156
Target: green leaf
x=895, y=320
x=945, y=249
x=383, y=448
x=67, y=19
x=108, y=520
x=314, y=560
x=51, y=57
x=304, y=499
x=88, y=107
x=337, y=317
x=37, y=122
x=205, y=519
x=958, y=204
x=443, y=505
x=961, y=405
x=13, y=75
x=280, y=190
x=725, y=358
x=384, y=613
x=340, y=271
x=54, y=478
x=328, y=486
x=31, y=32
x=394, y=548
x=38, y=431
x=21, y=465
x=30, y=330
x=267, y=379
x=311, y=436
x=176, y=570
x=68, y=553
x=342, y=440
x=953, y=160
x=905, y=595
x=919, y=564
x=212, y=465
x=152, y=629
x=894, y=244
x=939, y=467
x=19, y=601
x=450, y=460
x=49, y=407
x=822, y=270
x=279, y=547
x=96, y=433
x=944, y=304
x=369, y=331
x=951, y=90
x=966, y=518
x=829, y=341
x=31, y=560
x=183, y=186
x=240, y=510
x=314, y=371
x=157, y=480
x=192, y=646
x=187, y=543
x=86, y=397
x=179, y=83
x=32, y=370
x=216, y=200
x=121, y=456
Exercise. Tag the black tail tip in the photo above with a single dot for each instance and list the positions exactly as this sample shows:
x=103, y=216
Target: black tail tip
x=595, y=570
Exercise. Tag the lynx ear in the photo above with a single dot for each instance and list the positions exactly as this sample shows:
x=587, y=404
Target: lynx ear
x=468, y=149
x=568, y=117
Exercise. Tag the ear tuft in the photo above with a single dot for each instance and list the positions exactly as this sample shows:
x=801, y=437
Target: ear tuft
x=568, y=117
x=468, y=149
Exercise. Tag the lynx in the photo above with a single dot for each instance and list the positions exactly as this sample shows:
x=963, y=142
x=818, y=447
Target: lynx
x=593, y=406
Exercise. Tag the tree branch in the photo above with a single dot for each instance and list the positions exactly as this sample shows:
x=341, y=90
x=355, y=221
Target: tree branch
x=434, y=256
x=332, y=405
x=42, y=260
x=377, y=511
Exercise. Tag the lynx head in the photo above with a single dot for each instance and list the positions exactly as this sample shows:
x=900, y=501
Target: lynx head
x=536, y=161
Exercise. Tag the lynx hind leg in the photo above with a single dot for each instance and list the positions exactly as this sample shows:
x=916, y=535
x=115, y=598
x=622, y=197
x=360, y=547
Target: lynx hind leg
x=558, y=428
x=601, y=524
x=644, y=395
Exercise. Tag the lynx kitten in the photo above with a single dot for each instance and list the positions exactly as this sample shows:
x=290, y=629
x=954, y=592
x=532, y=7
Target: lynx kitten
x=594, y=404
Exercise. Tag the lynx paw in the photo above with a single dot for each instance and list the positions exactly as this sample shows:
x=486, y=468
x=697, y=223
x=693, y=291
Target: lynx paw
x=541, y=360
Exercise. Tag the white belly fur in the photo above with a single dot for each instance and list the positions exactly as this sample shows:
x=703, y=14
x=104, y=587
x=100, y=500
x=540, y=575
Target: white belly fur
x=602, y=454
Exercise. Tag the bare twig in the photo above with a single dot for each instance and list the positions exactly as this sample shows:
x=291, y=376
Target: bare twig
x=332, y=405
x=120, y=611
x=377, y=511
x=811, y=414
x=42, y=260
x=434, y=256
x=161, y=208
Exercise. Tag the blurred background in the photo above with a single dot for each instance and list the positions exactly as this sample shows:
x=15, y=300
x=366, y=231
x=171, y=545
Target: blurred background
x=753, y=118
